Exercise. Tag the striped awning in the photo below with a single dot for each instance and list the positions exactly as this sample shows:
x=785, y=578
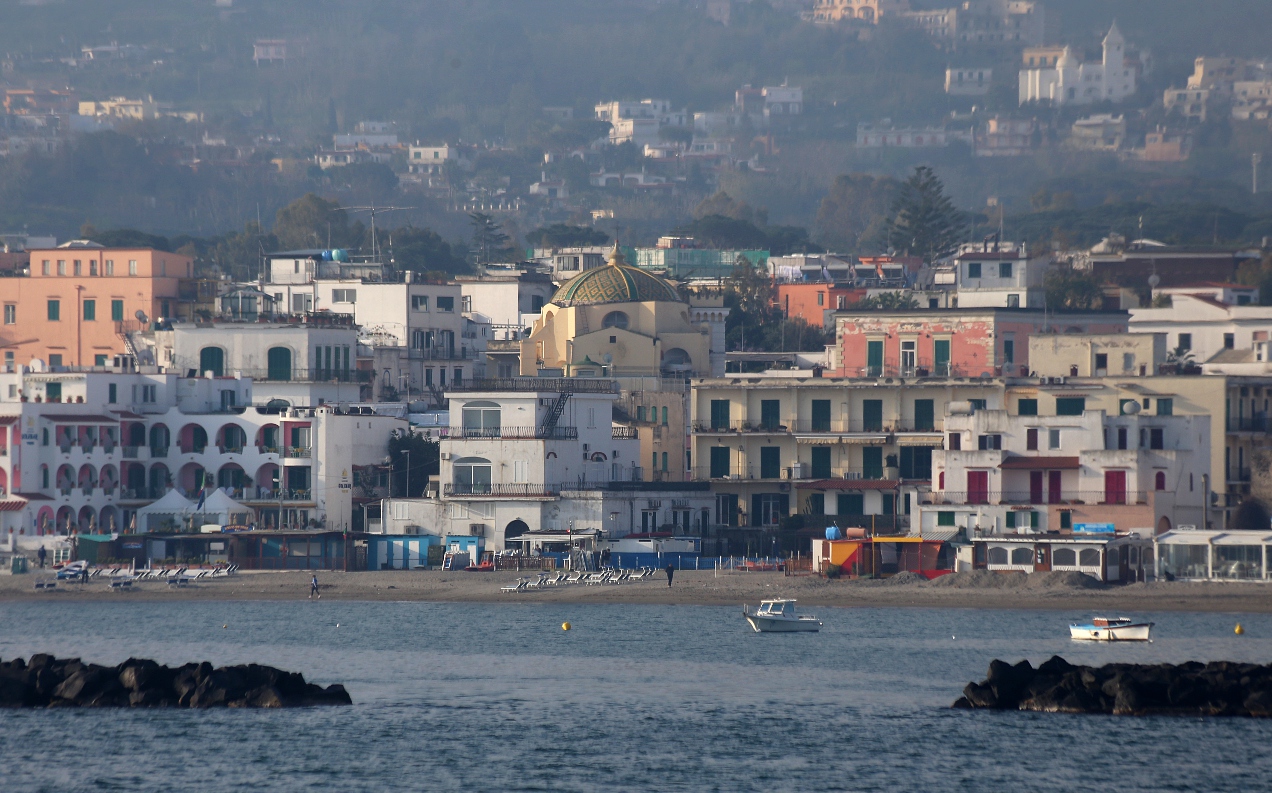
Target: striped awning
x=915, y=439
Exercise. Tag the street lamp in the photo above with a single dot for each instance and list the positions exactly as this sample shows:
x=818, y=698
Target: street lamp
x=407, y=452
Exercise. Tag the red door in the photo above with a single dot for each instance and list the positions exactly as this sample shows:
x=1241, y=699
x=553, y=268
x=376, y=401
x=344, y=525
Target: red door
x=978, y=487
x=1114, y=487
x=1035, y=487
x=1053, y=487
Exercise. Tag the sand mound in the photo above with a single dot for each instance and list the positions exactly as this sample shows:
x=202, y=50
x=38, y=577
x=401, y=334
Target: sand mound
x=1062, y=580
x=904, y=578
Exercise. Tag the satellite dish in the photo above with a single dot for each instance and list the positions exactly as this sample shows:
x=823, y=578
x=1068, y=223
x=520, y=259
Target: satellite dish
x=1130, y=407
x=608, y=358
x=141, y=316
x=1154, y=280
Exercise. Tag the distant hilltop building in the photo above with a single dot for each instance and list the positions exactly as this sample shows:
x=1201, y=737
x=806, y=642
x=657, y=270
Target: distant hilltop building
x=639, y=121
x=269, y=50
x=1071, y=82
x=968, y=81
x=1246, y=84
x=829, y=12
x=974, y=23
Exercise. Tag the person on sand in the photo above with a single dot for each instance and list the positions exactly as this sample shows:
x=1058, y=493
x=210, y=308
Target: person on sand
x=671, y=570
x=313, y=588
x=42, y=554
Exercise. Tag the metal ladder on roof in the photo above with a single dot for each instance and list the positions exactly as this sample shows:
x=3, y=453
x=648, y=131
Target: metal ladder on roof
x=554, y=413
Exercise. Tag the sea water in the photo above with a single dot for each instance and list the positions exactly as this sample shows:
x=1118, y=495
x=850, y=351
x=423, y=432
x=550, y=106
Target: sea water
x=633, y=697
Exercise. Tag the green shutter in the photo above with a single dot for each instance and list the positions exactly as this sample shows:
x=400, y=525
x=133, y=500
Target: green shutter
x=924, y=415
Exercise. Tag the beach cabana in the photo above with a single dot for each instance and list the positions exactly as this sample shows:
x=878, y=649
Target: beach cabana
x=168, y=514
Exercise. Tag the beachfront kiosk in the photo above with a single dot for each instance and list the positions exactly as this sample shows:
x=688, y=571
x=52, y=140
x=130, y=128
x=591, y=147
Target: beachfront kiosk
x=1192, y=554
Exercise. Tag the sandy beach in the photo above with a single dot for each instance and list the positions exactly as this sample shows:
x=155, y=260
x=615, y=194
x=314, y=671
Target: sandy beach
x=976, y=590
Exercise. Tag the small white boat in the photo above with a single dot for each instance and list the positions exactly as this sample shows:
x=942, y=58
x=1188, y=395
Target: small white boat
x=778, y=616
x=1112, y=629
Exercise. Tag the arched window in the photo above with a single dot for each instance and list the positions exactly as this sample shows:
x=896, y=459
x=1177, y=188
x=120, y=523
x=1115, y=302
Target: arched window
x=1022, y=556
x=997, y=555
x=1160, y=479
x=515, y=529
x=940, y=478
x=676, y=360
x=1089, y=557
x=212, y=359
x=472, y=475
x=615, y=319
x=481, y=420
x=280, y=363
x=1064, y=557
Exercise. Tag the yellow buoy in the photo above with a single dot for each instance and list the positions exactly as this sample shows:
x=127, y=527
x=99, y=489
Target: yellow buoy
x=565, y=626
x=1238, y=630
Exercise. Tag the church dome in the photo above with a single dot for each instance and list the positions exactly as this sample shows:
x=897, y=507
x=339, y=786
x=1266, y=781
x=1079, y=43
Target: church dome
x=617, y=282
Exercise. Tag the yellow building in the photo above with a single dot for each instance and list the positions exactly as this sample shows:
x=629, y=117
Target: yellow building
x=617, y=321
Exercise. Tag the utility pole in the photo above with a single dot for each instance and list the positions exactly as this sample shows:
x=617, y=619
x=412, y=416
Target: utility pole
x=1255, y=159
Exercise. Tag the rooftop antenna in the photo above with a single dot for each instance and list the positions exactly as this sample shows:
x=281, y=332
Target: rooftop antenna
x=375, y=241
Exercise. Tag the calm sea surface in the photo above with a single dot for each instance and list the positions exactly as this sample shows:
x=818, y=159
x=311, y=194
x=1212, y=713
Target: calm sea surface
x=498, y=697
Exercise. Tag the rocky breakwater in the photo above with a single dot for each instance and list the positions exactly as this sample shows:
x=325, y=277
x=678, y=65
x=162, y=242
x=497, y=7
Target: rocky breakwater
x=45, y=681
x=1219, y=688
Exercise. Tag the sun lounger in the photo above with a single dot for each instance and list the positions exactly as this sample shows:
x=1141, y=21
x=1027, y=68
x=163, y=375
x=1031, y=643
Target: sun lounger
x=121, y=583
x=43, y=584
x=179, y=581
x=517, y=587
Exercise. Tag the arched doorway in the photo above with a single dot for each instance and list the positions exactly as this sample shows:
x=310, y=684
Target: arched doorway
x=212, y=359
x=1163, y=525
x=193, y=439
x=160, y=439
x=515, y=529
x=160, y=481
x=280, y=363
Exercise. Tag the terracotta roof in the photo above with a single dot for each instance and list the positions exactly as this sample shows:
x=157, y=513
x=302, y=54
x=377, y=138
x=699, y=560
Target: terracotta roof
x=1039, y=463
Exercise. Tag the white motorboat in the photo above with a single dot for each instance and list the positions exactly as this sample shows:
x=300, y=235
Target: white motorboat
x=778, y=616
x=1112, y=629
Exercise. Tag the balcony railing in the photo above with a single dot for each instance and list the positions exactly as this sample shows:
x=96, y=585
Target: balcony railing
x=235, y=449
x=263, y=449
x=298, y=451
x=798, y=472
x=514, y=433
x=1036, y=498
x=1238, y=474
x=623, y=433
x=809, y=426
x=1249, y=424
x=576, y=385
x=514, y=489
x=130, y=452
x=158, y=451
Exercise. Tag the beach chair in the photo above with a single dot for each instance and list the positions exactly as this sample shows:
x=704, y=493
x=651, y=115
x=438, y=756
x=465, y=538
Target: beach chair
x=45, y=584
x=232, y=569
x=517, y=587
x=121, y=583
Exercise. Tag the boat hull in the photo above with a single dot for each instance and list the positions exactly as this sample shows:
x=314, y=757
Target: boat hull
x=1141, y=632
x=776, y=625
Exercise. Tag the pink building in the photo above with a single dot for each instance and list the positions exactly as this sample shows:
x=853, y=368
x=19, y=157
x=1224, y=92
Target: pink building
x=960, y=342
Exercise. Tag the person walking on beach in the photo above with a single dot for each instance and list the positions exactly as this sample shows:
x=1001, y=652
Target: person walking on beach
x=671, y=570
x=41, y=553
x=313, y=588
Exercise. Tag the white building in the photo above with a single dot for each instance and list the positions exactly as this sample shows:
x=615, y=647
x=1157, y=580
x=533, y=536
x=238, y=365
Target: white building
x=638, y=122
x=432, y=159
x=1073, y=83
x=884, y=135
x=968, y=81
x=1068, y=468
x=93, y=448
x=983, y=275
x=543, y=455
x=1208, y=320
x=308, y=361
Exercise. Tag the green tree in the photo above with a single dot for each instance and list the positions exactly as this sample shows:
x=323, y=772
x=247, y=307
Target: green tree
x=887, y=301
x=125, y=238
x=490, y=243
x=853, y=217
x=309, y=222
x=1258, y=273
x=924, y=221
x=724, y=205
x=423, y=458
x=718, y=231
x=423, y=251
x=1070, y=289
x=562, y=235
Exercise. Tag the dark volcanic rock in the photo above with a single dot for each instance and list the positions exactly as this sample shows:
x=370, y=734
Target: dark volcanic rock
x=45, y=681
x=1220, y=688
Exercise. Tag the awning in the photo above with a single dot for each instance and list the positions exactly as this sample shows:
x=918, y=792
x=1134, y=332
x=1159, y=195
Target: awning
x=943, y=535
x=14, y=505
x=1039, y=463
x=914, y=439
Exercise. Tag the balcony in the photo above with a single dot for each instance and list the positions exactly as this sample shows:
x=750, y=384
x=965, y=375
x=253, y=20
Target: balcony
x=263, y=449
x=297, y=495
x=158, y=451
x=1035, y=498
x=88, y=491
x=574, y=385
x=1238, y=474
x=808, y=426
x=1249, y=424
x=295, y=452
x=513, y=433
x=624, y=433
x=235, y=449
x=509, y=490
x=130, y=452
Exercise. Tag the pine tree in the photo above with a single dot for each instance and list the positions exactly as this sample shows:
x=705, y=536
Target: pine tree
x=924, y=220
x=489, y=240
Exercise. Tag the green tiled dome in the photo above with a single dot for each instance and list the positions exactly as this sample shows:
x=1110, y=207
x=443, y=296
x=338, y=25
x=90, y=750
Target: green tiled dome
x=617, y=282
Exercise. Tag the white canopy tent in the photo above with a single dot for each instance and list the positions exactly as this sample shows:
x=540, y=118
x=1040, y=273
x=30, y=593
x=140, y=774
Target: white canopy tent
x=168, y=513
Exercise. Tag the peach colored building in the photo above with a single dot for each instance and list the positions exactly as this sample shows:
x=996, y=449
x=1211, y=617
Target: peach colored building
x=78, y=300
